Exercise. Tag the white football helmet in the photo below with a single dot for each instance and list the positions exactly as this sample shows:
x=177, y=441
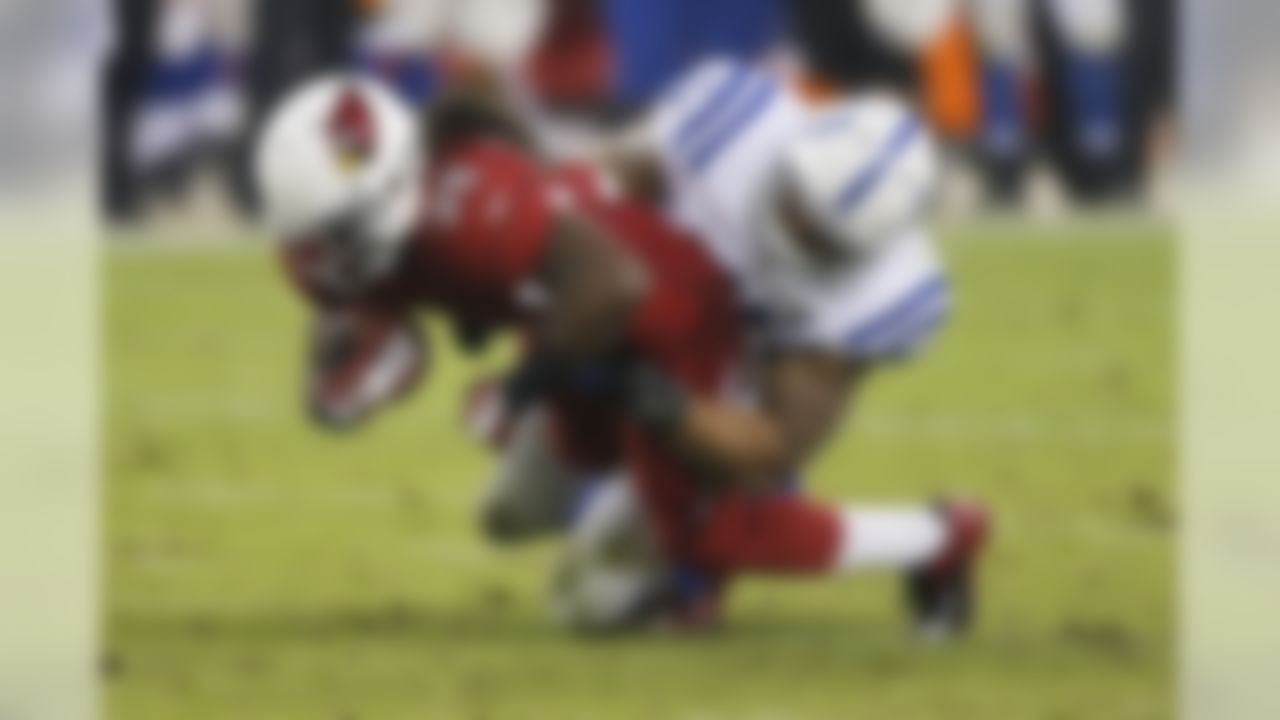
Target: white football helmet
x=339, y=160
x=858, y=174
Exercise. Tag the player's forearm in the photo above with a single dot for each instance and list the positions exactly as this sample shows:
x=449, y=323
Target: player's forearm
x=595, y=287
x=739, y=445
x=732, y=443
x=589, y=320
x=636, y=172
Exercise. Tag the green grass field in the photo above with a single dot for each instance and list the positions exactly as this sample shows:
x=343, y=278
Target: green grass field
x=258, y=569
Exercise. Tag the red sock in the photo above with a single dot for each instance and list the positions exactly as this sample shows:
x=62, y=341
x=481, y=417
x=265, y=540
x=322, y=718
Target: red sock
x=771, y=534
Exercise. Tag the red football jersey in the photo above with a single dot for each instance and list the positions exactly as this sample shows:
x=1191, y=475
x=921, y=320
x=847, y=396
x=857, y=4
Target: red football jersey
x=489, y=216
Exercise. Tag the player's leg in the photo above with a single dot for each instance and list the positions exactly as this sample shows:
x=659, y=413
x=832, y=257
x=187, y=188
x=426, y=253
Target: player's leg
x=552, y=454
x=776, y=532
x=794, y=535
x=611, y=574
x=532, y=489
x=935, y=547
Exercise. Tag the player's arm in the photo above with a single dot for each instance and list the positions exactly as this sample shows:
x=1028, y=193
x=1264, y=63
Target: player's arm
x=806, y=397
x=634, y=163
x=809, y=395
x=593, y=285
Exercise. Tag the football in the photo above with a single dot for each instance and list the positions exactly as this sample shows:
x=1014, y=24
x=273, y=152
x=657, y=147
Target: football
x=362, y=361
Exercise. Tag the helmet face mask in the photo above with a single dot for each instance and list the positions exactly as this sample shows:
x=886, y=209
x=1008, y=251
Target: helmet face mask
x=344, y=259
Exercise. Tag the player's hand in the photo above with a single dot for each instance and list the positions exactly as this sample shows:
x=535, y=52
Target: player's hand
x=654, y=398
x=543, y=373
x=535, y=377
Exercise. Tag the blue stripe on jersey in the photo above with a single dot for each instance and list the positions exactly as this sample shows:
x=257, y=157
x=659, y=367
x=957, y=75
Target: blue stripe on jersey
x=902, y=324
x=744, y=115
x=911, y=335
x=865, y=182
x=726, y=91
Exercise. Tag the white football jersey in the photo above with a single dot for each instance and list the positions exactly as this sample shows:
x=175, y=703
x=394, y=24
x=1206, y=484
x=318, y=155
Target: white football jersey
x=720, y=134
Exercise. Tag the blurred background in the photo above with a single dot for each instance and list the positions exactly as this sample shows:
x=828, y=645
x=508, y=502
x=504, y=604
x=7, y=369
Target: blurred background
x=1044, y=105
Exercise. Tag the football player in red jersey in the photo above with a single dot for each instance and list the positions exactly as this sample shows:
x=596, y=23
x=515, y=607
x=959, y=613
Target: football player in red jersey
x=373, y=232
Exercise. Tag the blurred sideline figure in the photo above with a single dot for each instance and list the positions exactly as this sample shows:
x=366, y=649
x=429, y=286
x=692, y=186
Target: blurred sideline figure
x=125, y=77
x=290, y=41
x=1004, y=139
x=1086, y=130
x=191, y=110
x=1007, y=84
x=1083, y=85
x=1079, y=85
x=395, y=42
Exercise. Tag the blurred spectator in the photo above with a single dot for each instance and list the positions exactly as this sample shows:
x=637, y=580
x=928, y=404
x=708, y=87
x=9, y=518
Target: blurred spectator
x=1087, y=98
x=1081, y=83
x=1152, y=79
x=126, y=75
x=573, y=63
x=1004, y=141
x=190, y=110
x=1085, y=84
x=395, y=43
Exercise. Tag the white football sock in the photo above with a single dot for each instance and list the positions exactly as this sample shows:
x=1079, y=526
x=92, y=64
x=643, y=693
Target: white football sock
x=890, y=538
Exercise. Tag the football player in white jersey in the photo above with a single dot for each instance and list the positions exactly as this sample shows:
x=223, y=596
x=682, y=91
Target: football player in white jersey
x=817, y=212
x=818, y=216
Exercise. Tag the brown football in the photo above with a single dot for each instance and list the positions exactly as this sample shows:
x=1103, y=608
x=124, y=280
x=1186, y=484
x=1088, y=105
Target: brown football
x=361, y=361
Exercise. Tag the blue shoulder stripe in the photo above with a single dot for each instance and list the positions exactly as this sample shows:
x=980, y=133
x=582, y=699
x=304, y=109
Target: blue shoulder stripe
x=736, y=77
x=866, y=181
x=745, y=113
x=929, y=300
x=911, y=336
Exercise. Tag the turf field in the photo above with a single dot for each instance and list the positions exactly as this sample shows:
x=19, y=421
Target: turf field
x=257, y=569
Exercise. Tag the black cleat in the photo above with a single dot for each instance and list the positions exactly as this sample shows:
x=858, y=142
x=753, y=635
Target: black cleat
x=941, y=595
